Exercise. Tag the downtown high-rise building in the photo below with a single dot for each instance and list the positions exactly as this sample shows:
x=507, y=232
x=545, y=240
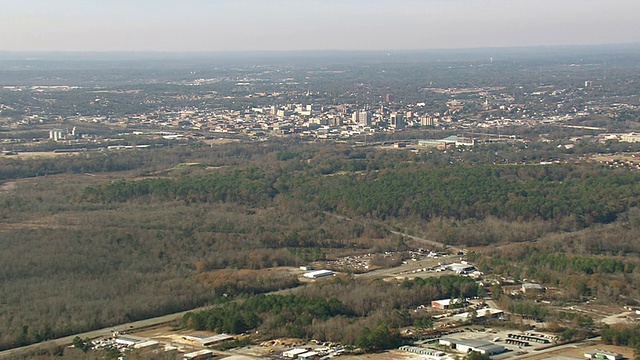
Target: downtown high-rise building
x=362, y=118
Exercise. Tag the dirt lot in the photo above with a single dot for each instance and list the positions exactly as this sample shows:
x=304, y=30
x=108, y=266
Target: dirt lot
x=8, y=186
x=577, y=352
x=392, y=354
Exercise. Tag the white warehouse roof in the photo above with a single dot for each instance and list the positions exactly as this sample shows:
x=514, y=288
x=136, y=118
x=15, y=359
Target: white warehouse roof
x=318, y=274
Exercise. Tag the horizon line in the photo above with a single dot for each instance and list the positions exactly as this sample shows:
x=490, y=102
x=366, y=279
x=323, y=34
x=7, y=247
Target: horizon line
x=275, y=51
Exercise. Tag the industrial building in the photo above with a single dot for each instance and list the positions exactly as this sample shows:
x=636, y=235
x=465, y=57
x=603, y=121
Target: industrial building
x=208, y=340
x=149, y=344
x=468, y=345
x=529, y=288
x=309, y=355
x=319, y=274
x=198, y=355
x=128, y=340
x=448, y=142
x=602, y=354
x=461, y=268
x=448, y=303
x=429, y=354
x=486, y=313
x=294, y=353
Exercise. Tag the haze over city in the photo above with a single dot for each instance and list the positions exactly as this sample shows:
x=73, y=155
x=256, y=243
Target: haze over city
x=319, y=179
x=249, y=25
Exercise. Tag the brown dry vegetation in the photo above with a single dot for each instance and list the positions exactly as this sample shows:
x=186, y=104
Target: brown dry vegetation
x=75, y=258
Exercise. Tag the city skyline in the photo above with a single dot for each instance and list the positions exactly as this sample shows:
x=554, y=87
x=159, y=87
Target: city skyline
x=292, y=25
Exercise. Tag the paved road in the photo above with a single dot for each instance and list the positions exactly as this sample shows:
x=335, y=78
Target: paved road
x=551, y=351
x=452, y=249
x=171, y=317
x=415, y=238
x=99, y=333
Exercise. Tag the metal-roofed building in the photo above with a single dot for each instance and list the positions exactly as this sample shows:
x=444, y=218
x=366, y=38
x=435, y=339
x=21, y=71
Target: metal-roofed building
x=319, y=274
x=198, y=355
x=448, y=303
x=294, y=353
x=602, y=354
x=309, y=355
x=468, y=345
x=532, y=288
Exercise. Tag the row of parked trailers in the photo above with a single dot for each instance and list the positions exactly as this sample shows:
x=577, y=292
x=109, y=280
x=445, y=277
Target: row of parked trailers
x=529, y=338
x=517, y=342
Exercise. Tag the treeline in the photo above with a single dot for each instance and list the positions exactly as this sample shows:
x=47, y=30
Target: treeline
x=365, y=298
x=587, y=265
x=16, y=168
x=290, y=312
x=514, y=193
x=232, y=282
x=461, y=192
x=148, y=161
x=363, y=313
x=251, y=187
x=621, y=336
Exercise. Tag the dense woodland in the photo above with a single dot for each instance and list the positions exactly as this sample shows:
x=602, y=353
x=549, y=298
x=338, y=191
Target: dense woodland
x=339, y=311
x=96, y=239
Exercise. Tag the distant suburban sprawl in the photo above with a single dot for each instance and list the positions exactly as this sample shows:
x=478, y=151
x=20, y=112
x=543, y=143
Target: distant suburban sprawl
x=444, y=204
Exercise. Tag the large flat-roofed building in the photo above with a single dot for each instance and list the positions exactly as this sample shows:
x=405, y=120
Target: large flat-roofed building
x=529, y=288
x=212, y=340
x=309, y=355
x=208, y=340
x=428, y=354
x=319, y=274
x=448, y=303
x=294, y=353
x=448, y=142
x=198, y=355
x=486, y=313
x=128, y=340
x=149, y=344
x=461, y=268
x=467, y=345
x=602, y=354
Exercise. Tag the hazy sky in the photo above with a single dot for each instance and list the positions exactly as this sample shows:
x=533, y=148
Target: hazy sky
x=219, y=25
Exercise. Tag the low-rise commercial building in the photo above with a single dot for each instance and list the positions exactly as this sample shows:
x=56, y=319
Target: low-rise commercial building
x=602, y=354
x=448, y=303
x=468, y=345
x=198, y=355
x=294, y=353
x=319, y=274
